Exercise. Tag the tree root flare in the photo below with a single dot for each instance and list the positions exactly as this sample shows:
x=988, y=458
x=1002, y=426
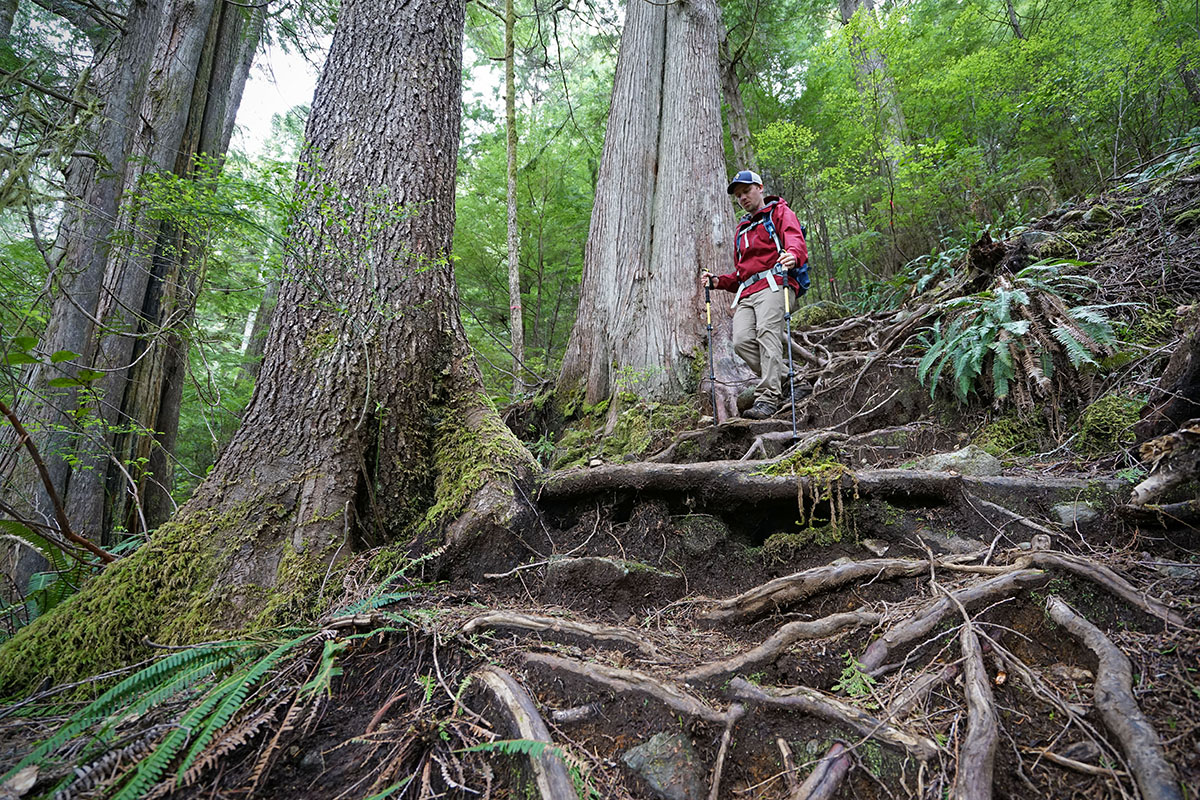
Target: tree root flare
x=1113, y=692
x=784, y=638
x=810, y=701
x=626, y=681
x=550, y=773
x=596, y=634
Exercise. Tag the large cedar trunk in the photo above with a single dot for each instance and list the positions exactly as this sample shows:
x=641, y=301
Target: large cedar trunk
x=125, y=286
x=368, y=424
x=660, y=216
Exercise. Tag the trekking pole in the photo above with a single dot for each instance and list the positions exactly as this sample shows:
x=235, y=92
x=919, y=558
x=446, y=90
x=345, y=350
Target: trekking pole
x=712, y=377
x=787, y=315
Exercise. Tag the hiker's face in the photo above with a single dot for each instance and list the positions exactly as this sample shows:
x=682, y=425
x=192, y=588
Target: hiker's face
x=749, y=196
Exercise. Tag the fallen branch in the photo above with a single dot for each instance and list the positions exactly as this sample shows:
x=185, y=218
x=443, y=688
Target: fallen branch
x=784, y=638
x=60, y=514
x=810, y=701
x=1078, y=766
x=1106, y=579
x=625, y=681
x=550, y=773
x=790, y=588
x=1113, y=692
x=595, y=634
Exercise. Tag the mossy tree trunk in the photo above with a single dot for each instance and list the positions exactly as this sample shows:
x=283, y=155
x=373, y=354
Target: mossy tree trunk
x=661, y=215
x=368, y=424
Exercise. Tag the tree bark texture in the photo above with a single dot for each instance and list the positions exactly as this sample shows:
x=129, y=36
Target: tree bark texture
x=369, y=405
x=516, y=316
x=126, y=283
x=735, y=112
x=660, y=215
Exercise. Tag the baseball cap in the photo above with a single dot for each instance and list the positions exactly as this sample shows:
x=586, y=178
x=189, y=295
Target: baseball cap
x=745, y=176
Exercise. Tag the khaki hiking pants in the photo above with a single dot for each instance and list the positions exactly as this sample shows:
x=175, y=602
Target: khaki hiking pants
x=759, y=333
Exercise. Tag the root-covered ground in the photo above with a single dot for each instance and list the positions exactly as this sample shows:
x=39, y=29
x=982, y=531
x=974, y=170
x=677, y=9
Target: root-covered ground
x=745, y=614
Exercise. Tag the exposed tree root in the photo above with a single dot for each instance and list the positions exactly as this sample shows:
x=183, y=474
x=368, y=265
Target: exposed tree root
x=1113, y=693
x=826, y=778
x=784, y=638
x=599, y=635
x=1107, y=579
x=810, y=701
x=973, y=780
x=790, y=588
x=549, y=772
x=1186, y=512
x=805, y=445
x=926, y=620
x=625, y=681
x=735, y=713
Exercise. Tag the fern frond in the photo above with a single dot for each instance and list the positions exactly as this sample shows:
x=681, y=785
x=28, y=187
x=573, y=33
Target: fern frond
x=231, y=701
x=374, y=602
x=1077, y=352
x=521, y=747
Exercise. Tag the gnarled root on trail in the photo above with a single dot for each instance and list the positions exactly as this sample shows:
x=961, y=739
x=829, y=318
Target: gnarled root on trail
x=1182, y=513
x=921, y=688
x=1108, y=580
x=973, y=780
x=784, y=638
x=790, y=588
x=810, y=701
x=926, y=620
x=512, y=701
x=626, y=681
x=826, y=778
x=1113, y=693
x=597, y=635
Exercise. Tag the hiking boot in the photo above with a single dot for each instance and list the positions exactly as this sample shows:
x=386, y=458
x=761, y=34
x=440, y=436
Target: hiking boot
x=760, y=410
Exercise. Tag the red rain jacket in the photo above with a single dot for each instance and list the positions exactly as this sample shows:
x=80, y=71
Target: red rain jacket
x=755, y=251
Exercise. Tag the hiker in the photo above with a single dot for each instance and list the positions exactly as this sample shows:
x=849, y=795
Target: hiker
x=767, y=244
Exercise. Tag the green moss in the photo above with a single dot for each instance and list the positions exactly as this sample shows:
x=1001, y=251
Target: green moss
x=818, y=313
x=472, y=447
x=640, y=426
x=784, y=547
x=162, y=593
x=1188, y=218
x=1107, y=424
x=1009, y=436
x=1154, y=325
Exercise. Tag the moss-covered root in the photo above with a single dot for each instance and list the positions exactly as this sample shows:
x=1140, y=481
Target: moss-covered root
x=478, y=462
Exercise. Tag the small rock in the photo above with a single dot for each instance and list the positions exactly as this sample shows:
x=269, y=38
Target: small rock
x=312, y=760
x=952, y=544
x=1185, y=571
x=669, y=766
x=1071, y=674
x=876, y=546
x=1071, y=217
x=1087, y=752
x=595, y=462
x=841, y=562
x=812, y=746
x=1040, y=541
x=1074, y=513
x=1024, y=546
x=970, y=460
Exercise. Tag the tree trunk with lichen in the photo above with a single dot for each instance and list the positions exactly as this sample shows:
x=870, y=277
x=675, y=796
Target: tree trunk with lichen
x=368, y=425
x=660, y=216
